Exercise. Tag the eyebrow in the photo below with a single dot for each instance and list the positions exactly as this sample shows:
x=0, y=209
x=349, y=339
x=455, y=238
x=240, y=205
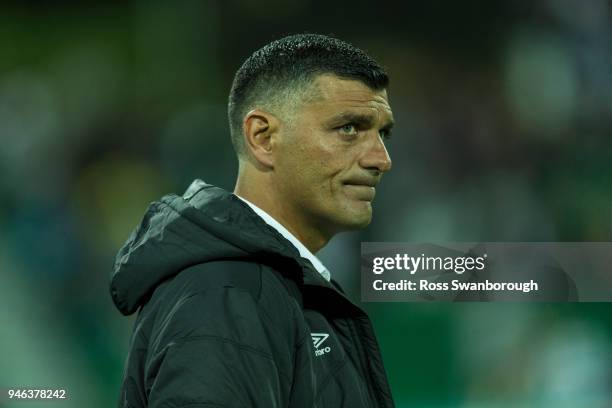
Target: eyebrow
x=360, y=119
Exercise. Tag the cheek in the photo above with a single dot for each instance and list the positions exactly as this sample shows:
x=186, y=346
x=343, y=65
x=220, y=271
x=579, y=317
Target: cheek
x=312, y=162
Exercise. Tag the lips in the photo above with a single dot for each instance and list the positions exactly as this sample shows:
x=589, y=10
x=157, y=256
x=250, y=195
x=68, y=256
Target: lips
x=367, y=182
x=361, y=189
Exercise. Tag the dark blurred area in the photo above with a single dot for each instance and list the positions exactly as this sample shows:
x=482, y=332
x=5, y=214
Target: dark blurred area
x=504, y=115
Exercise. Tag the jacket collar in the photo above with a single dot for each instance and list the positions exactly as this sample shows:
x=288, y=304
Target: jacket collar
x=304, y=252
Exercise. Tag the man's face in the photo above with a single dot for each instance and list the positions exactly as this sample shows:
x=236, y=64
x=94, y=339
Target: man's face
x=331, y=156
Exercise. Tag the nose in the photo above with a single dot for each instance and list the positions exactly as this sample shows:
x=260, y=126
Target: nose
x=376, y=156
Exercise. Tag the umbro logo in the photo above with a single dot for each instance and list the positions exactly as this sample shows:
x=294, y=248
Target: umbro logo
x=317, y=340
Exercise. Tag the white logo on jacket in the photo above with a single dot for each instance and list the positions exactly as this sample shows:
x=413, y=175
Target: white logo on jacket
x=317, y=340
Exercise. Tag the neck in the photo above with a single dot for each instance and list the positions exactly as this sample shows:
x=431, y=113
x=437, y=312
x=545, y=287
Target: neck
x=257, y=188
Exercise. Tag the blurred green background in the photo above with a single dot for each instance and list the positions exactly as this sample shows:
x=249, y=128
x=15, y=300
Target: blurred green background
x=503, y=111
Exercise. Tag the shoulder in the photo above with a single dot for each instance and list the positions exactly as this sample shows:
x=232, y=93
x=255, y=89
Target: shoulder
x=214, y=275
x=236, y=301
x=221, y=286
x=260, y=281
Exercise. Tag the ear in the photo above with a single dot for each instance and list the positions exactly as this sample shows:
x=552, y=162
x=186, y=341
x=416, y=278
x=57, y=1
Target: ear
x=260, y=128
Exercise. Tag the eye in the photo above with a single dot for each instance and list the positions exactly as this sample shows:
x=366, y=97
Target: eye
x=349, y=129
x=385, y=134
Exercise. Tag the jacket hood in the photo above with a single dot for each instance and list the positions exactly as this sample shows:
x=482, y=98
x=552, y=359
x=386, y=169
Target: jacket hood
x=207, y=223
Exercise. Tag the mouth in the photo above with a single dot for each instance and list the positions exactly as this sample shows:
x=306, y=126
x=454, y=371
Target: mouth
x=361, y=190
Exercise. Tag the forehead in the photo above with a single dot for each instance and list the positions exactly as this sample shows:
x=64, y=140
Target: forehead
x=336, y=94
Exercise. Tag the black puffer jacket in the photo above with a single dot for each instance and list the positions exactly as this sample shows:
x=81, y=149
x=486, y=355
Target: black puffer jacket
x=231, y=316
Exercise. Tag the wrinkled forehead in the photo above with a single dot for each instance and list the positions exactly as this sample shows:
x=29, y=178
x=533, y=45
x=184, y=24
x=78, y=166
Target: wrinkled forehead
x=334, y=94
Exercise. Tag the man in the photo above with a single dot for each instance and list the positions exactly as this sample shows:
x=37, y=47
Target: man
x=234, y=308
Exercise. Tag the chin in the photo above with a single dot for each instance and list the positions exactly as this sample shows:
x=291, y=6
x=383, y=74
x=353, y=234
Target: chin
x=347, y=216
x=359, y=225
x=353, y=220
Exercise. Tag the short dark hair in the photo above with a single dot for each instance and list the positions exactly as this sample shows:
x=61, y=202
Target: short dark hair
x=291, y=62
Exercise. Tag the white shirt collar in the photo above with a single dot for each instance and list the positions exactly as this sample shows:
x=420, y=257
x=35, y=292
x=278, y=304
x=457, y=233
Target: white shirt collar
x=304, y=252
